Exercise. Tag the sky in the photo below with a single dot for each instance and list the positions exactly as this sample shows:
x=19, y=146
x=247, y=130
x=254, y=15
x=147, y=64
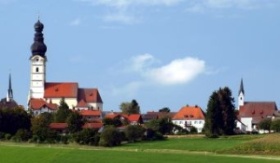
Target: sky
x=162, y=53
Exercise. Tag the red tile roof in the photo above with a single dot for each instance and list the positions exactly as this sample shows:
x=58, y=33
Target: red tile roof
x=82, y=103
x=134, y=117
x=89, y=95
x=90, y=113
x=59, y=90
x=58, y=126
x=257, y=110
x=37, y=104
x=92, y=125
x=188, y=113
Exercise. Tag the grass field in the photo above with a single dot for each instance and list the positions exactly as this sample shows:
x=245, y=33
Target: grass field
x=191, y=150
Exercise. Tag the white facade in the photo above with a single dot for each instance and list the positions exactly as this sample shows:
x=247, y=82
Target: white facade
x=186, y=124
x=247, y=121
x=241, y=99
x=43, y=110
x=38, y=77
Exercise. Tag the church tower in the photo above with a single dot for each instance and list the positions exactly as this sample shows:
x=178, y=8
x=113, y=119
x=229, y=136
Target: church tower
x=241, y=95
x=38, y=63
x=10, y=90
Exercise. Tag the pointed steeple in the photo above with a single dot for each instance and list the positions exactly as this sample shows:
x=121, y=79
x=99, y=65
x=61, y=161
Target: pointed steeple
x=38, y=47
x=241, y=89
x=10, y=90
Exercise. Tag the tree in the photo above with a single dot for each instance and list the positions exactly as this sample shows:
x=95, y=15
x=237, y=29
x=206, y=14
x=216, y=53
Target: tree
x=75, y=122
x=130, y=107
x=110, y=136
x=115, y=122
x=265, y=124
x=165, y=110
x=275, y=125
x=134, y=132
x=220, y=114
x=213, y=117
x=228, y=111
x=87, y=137
x=40, y=126
x=62, y=112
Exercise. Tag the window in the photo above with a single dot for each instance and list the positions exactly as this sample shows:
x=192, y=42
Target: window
x=37, y=69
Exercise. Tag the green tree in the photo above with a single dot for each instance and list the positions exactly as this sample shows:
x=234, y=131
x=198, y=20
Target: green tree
x=130, y=107
x=213, y=117
x=265, y=124
x=75, y=122
x=40, y=126
x=62, y=112
x=87, y=137
x=220, y=114
x=275, y=125
x=134, y=132
x=110, y=136
x=228, y=111
x=165, y=110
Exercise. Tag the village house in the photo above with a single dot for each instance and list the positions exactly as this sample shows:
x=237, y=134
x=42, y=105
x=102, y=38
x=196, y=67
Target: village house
x=190, y=116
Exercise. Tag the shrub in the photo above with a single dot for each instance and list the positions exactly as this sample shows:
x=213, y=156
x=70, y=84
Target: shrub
x=276, y=125
x=22, y=135
x=110, y=136
x=133, y=132
x=87, y=137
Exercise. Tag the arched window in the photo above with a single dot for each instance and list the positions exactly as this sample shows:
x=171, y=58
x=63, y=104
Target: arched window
x=37, y=69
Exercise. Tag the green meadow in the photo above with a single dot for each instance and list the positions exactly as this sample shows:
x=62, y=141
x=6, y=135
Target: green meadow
x=185, y=149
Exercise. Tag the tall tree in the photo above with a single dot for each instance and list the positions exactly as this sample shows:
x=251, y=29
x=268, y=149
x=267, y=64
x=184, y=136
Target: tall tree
x=213, y=116
x=62, y=112
x=165, y=110
x=220, y=115
x=130, y=107
x=228, y=111
x=75, y=122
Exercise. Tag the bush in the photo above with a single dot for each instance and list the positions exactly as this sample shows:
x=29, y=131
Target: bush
x=87, y=137
x=134, y=133
x=193, y=130
x=22, y=135
x=276, y=125
x=8, y=136
x=110, y=136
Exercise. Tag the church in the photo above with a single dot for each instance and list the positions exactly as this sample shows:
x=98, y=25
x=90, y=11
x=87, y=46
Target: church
x=251, y=113
x=45, y=96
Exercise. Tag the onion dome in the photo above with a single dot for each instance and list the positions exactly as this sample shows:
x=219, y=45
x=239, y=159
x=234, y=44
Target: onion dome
x=38, y=47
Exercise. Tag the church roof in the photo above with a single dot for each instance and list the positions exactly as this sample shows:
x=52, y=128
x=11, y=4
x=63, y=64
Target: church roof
x=37, y=104
x=89, y=95
x=257, y=110
x=189, y=113
x=61, y=90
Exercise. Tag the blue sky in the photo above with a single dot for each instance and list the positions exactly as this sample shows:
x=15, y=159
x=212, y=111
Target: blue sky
x=163, y=53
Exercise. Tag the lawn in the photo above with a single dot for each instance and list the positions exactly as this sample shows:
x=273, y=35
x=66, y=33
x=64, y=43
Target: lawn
x=195, y=143
x=186, y=149
x=45, y=154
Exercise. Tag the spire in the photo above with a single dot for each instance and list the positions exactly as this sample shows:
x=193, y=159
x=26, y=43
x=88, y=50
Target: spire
x=38, y=47
x=10, y=90
x=241, y=89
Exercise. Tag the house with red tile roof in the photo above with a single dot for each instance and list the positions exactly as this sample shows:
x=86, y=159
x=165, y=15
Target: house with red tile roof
x=38, y=106
x=52, y=92
x=252, y=113
x=132, y=119
x=190, y=116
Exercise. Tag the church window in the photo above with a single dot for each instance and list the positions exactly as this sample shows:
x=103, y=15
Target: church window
x=37, y=69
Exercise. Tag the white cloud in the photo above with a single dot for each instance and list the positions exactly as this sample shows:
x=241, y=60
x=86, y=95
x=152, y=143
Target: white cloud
x=120, y=17
x=75, y=22
x=178, y=71
x=204, y=5
x=128, y=3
